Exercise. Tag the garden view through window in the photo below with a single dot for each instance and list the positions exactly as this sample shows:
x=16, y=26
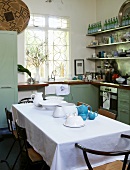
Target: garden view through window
x=47, y=46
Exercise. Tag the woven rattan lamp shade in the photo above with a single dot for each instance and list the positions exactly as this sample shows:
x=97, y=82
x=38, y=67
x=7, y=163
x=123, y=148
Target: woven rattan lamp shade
x=14, y=15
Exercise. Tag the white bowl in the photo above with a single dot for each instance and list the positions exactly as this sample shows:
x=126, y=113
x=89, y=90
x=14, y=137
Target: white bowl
x=54, y=98
x=120, y=80
x=74, y=121
x=49, y=105
x=69, y=108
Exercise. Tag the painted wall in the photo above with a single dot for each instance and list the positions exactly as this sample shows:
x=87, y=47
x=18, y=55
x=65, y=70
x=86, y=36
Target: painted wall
x=81, y=13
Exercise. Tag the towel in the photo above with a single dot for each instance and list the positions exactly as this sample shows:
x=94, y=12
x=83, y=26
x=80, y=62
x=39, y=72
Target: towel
x=106, y=100
x=62, y=89
x=51, y=89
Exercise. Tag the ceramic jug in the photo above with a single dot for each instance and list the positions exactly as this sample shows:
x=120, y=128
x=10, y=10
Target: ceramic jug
x=37, y=98
x=83, y=111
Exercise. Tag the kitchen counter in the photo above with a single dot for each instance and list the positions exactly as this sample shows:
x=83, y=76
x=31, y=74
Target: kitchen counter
x=35, y=86
x=25, y=86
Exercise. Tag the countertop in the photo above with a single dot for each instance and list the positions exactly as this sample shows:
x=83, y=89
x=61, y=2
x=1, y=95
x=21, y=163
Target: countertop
x=72, y=82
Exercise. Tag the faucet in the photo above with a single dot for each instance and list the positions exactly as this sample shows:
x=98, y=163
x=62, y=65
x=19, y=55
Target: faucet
x=52, y=75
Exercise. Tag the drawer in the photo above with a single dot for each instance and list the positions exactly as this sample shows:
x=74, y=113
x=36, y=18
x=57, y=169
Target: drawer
x=123, y=94
x=125, y=104
x=124, y=116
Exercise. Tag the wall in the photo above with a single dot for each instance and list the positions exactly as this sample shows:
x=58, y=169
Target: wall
x=81, y=13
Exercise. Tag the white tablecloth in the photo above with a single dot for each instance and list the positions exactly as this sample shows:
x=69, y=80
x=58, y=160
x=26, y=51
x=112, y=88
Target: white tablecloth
x=56, y=143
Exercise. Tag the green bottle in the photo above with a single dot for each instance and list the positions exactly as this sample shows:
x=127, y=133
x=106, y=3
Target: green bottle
x=89, y=29
x=124, y=21
x=105, y=25
x=116, y=23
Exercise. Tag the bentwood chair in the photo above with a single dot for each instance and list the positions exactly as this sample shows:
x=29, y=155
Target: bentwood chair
x=107, y=113
x=116, y=165
x=33, y=157
x=25, y=100
x=13, y=132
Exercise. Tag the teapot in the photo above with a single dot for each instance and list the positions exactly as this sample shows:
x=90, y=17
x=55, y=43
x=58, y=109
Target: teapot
x=83, y=111
x=92, y=115
x=37, y=98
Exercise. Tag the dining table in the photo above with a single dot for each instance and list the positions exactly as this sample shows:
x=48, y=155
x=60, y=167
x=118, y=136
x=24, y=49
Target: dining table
x=56, y=142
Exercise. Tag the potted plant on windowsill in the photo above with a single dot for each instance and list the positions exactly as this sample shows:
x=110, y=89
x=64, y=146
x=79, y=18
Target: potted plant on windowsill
x=22, y=70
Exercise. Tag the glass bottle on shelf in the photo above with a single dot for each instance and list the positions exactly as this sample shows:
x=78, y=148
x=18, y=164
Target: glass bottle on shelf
x=108, y=24
x=116, y=23
x=105, y=25
x=127, y=19
x=89, y=29
x=124, y=21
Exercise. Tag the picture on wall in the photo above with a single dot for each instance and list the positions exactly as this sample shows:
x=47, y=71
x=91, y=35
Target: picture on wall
x=79, y=66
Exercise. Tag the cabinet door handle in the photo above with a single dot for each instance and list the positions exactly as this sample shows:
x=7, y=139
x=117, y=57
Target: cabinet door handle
x=5, y=87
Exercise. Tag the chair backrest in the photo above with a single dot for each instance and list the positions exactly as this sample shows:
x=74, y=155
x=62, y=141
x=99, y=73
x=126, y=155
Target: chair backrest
x=25, y=100
x=22, y=137
x=97, y=152
x=107, y=113
x=9, y=119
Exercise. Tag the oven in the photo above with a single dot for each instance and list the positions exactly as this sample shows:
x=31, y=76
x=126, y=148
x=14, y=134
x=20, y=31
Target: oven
x=109, y=98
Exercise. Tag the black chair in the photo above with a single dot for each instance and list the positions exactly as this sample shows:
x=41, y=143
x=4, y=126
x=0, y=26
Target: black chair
x=25, y=100
x=13, y=134
x=116, y=165
x=33, y=157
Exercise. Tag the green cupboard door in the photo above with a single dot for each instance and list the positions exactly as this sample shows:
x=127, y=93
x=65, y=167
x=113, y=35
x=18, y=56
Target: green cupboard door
x=8, y=58
x=80, y=93
x=7, y=96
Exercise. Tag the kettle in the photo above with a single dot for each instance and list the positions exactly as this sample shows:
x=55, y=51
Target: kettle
x=83, y=111
x=37, y=98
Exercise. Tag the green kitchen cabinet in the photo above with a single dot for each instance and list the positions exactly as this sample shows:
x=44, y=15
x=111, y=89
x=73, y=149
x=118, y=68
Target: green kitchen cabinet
x=8, y=73
x=86, y=93
x=124, y=106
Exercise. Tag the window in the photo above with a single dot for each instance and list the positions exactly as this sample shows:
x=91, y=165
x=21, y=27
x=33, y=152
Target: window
x=47, y=46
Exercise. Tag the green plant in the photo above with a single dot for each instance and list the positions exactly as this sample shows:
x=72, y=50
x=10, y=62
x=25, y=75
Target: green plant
x=23, y=69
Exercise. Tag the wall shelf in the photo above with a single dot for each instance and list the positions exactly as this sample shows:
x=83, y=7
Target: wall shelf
x=110, y=30
x=102, y=45
x=112, y=58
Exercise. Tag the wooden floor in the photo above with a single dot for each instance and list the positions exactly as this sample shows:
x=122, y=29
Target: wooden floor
x=4, y=147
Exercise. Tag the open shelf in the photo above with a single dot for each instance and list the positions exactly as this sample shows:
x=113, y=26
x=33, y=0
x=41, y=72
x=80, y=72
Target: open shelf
x=115, y=29
x=112, y=58
x=102, y=45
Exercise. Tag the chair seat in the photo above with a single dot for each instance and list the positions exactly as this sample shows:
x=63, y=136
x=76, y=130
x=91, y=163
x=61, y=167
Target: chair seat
x=34, y=156
x=116, y=165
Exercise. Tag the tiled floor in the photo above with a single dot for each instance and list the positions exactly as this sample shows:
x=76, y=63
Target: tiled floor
x=5, y=146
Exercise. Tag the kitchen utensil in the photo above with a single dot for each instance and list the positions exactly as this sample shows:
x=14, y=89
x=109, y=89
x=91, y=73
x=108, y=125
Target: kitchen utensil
x=49, y=105
x=37, y=98
x=54, y=98
x=120, y=80
x=74, y=121
x=83, y=111
x=59, y=112
x=92, y=115
x=69, y=108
